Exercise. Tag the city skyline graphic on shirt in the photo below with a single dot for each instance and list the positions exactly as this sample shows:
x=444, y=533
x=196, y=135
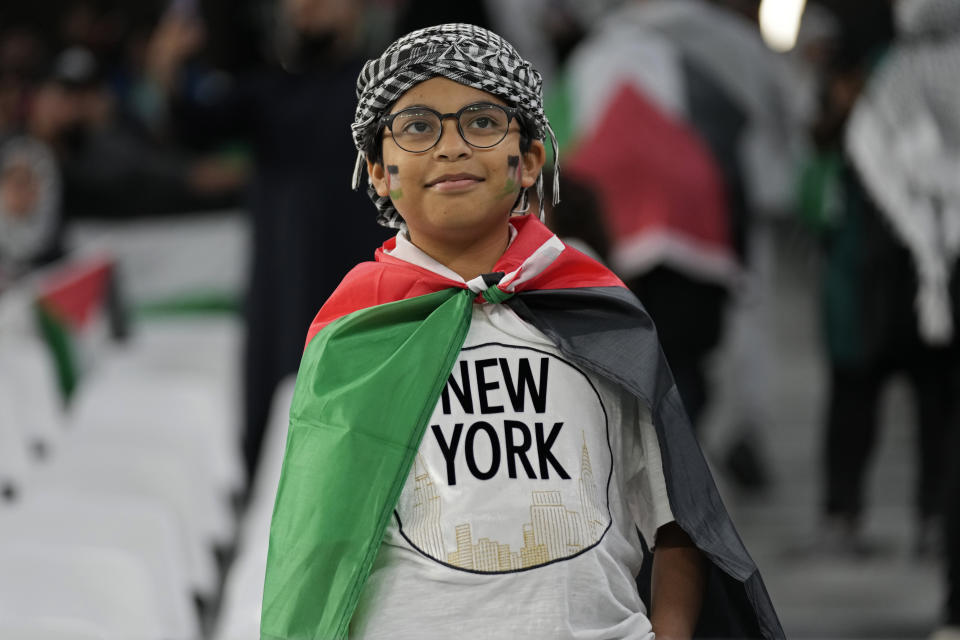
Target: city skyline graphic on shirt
x=554, y=532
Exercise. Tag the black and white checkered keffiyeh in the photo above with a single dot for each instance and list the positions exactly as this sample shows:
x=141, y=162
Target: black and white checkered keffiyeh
x=903, y=138
x=463, y=53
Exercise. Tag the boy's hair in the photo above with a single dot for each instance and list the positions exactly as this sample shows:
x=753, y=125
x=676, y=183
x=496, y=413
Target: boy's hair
x=463, y=53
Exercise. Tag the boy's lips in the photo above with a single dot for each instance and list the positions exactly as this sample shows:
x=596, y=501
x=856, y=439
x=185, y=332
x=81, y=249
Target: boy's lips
x=454, y=181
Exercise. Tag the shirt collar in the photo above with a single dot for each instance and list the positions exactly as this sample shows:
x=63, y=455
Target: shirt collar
x=407, y=251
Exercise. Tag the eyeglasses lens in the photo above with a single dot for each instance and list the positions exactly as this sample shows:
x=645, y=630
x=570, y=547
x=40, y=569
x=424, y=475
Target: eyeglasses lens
x=484, y=125
x=415, y=129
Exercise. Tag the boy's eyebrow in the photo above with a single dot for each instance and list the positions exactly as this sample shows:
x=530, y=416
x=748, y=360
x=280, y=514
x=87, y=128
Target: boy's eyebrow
x=414, y=106
x=426, y=106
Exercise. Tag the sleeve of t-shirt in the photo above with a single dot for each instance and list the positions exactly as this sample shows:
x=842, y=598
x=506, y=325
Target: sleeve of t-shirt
x=646, y=488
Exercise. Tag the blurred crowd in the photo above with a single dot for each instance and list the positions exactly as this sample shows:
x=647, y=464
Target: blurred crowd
x=685, y=141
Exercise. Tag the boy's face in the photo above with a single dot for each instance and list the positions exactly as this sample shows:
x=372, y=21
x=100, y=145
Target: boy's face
x=454, y=193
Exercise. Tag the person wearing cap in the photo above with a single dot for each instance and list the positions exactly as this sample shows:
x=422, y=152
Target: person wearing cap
x=484, y=436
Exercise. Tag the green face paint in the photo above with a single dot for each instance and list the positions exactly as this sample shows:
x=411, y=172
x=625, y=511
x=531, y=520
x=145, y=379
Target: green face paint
x=513, y=179
x=393, y=171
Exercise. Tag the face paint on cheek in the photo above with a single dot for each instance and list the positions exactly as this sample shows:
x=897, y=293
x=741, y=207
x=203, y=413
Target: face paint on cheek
x=513, y=176
x=393, y=172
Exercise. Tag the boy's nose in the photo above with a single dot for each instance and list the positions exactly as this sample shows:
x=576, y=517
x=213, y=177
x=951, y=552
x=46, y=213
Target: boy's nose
x=451, y=144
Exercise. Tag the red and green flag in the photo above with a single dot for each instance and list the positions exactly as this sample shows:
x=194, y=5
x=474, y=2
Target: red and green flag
x=377, y=358
x=73, y=313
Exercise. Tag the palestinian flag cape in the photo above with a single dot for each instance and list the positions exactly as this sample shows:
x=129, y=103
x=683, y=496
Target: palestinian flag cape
x=377, y=358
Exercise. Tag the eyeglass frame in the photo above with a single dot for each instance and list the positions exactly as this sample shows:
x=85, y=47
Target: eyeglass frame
x=513, y=113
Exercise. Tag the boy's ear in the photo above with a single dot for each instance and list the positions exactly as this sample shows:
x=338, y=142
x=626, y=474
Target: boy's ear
x=379, y=177
x=533, y=161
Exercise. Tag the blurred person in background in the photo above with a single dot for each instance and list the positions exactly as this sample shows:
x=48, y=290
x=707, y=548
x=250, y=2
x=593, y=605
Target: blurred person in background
x=855, y=244
x=66, y=154
x=111, y=169
x=309, y=228
x=903, y=138
x=31, y=227
x=754, y=124
x=887, y=139
x=666, y=213
x=30, y=220
x=711, y=158
x=65, y=73
x=35, y=110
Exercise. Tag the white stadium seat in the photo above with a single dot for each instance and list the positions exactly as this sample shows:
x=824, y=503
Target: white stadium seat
x=52, y=629
x=108, y=588
x=243, y=588
x=142, y=528
x=33, y=400
x=141, y=474
x=182, y=408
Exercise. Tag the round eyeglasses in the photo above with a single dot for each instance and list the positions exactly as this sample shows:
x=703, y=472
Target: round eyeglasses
x=481, y=125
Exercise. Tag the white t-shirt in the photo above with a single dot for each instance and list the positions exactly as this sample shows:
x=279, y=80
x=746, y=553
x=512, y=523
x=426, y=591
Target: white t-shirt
x=519, y=518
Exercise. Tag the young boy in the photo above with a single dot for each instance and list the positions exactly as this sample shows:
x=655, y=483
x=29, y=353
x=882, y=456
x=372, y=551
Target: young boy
x=483, y=426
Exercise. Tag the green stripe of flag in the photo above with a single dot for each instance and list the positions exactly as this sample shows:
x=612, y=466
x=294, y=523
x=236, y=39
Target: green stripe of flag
x=367, y=385
x=59, y=340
